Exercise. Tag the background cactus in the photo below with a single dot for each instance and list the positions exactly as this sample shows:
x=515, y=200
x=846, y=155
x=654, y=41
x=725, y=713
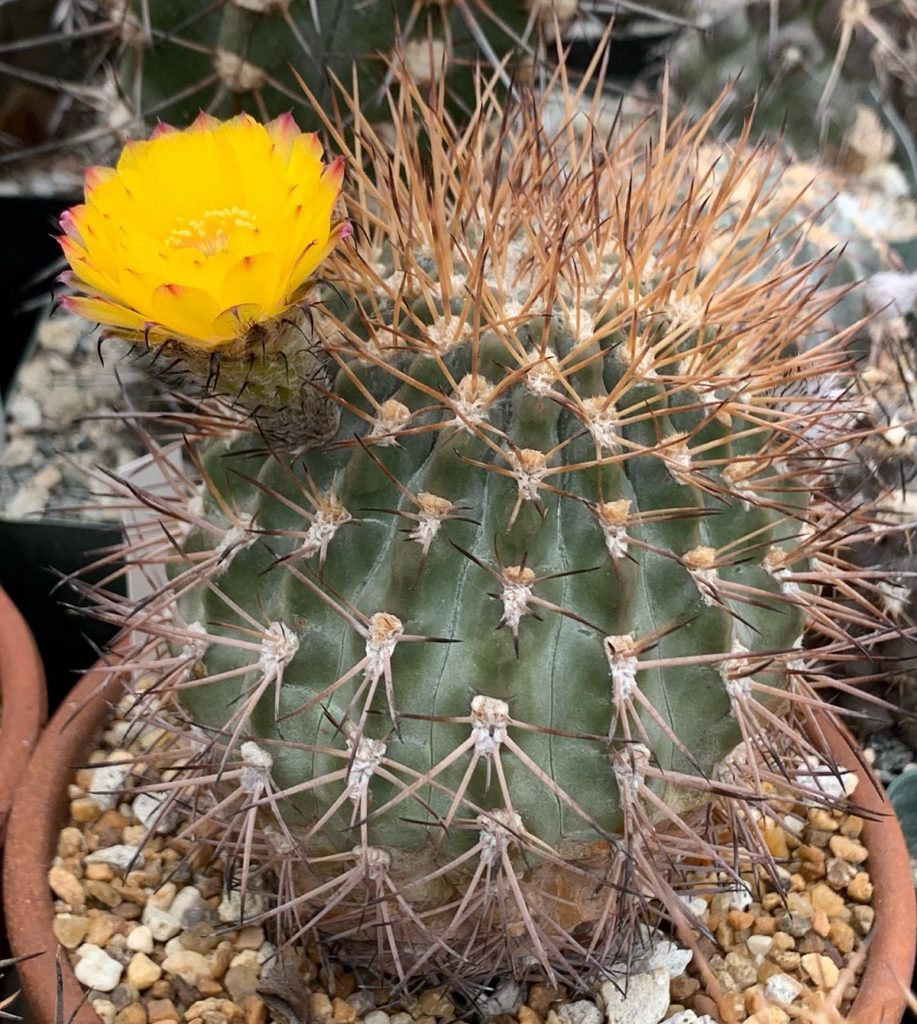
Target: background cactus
x=472, y=681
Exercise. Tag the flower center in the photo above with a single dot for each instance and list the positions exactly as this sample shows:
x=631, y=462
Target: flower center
x=211, y=231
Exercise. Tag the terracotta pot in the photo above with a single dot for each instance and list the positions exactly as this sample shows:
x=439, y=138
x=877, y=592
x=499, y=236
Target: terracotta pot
x=24, y=701
x=24, y=710
x=41, y=806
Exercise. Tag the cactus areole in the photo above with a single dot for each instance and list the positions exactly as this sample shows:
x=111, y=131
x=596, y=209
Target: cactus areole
x=502, y=601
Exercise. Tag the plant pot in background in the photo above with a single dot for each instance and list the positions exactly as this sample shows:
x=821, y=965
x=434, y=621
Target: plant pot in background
x=41, y=806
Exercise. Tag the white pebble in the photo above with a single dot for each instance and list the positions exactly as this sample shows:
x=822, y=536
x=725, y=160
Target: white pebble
x=105, y=1009
x=376, y=1017
x=161, y=923
x=670, y=956
x=583, y=1011
x=506, y=998
x=641, y=999
x=147, y=808
x=107, y=782
x=96, y=969
x=140, y=939
x=689, y=1017
x=759, y=945
x=120, y=857
x=230, y=909
x=189, y=906
x=834, y=781
x=781, y=988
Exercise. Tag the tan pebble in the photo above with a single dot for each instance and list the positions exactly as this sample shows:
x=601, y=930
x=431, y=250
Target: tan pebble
x=786, y=959
x=821, y=925
x=822, y=820
x=202, y=1006
x=321, y=1006
x=541, y=996
x=764, y=925
x=102, y=927
x=209, y=987
x=775, y=838
x=103, y=892
x=818, y=837
x=863, y=918
x=142, y=972
x=848, y=849
x=345, y=984
x=70, y=842
x=860, y=888
x=161, y=1010
x=783, y=941
x=133, y=1013
x=851, y=992
x=435, y=1004
x=797, y=882
x=702, y=1003
x=255, y=1010
x=812, y=943
x=725, y=935
x=84, y=810
x=771, y=901
x=164, y=895
x=220, y=960
x=811, y=854
x=800, y=903
x=765, y=969
x=852, y=826
x=99, y=872
x=70, y=929
x=251, y=937
x=342, y=1011
x=842, y=936
x=741, y=969
x=187, y=965
x=735, y=1002
x=66, y=886
x=838, y=873
x=821, y=969
x=769, y=1015
x=826, y=899
x=425, y=1018
x=161, y=990
x=682, y=987
x=740, y=919
x=812, y=871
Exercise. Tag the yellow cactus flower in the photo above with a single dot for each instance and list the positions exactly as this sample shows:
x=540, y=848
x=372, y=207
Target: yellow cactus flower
x=197, y=234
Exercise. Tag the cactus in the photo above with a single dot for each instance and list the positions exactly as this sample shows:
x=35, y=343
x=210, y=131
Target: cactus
x=530, y=615
x=802, y=66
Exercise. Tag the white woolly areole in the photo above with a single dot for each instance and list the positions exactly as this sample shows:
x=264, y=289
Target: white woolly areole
x=541, y=378
x=630, y=764
x=329, y=517
x=517, y=592
x=195, y=649
x=367, y=756
x=256, y=771
x=622, y=664
x=237, y=538
x=384, y=633
x=489, y=722
x=529, y=468
x=735, y=676
x=602, y=423
x=376, y=861
x=391, y=418
x=445, y=334
x=433, y=512
x=470, y=400
x=278, y=647
x=498, y=831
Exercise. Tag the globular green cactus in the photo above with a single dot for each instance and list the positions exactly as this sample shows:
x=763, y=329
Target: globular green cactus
x=802, y=66
x=474, y=676
x=251, y=55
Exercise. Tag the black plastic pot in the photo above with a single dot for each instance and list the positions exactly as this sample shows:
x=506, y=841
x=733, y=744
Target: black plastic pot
x=30, y=259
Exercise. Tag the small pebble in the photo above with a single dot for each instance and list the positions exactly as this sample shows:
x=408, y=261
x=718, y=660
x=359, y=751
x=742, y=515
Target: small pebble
x=96, y=969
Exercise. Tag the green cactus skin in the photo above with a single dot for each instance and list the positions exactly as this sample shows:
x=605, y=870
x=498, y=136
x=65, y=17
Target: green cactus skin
x=482, y=675
x=250, y=56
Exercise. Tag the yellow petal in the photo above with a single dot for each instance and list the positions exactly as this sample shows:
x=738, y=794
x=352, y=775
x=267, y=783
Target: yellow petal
x=186, y=311
x=102, y=312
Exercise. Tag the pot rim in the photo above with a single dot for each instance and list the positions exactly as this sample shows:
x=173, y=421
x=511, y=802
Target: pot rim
x=40, y=807
x=25, y=701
